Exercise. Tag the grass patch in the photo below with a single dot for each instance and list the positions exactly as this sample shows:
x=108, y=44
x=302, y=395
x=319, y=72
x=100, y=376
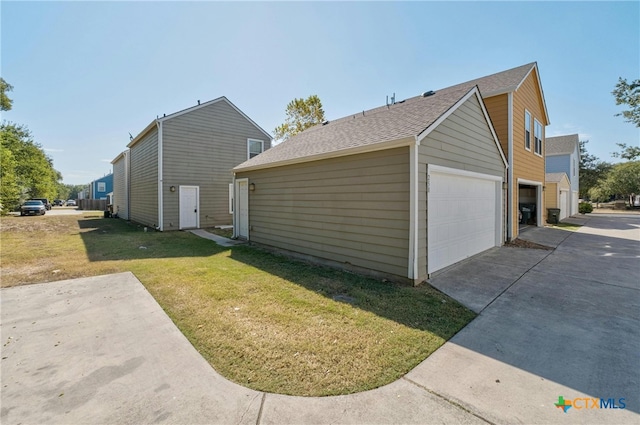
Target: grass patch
x=227, y=233
x=567, y=226
x=261, y=320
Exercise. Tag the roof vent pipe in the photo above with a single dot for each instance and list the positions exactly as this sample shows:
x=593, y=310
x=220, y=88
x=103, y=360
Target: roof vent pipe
x=428, y=93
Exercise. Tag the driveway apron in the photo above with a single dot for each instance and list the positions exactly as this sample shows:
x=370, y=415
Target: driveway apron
x=567, y=327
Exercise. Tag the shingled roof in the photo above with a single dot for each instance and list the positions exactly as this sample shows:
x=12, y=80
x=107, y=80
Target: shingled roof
x=402, y=120
x=554, y=177
x=561, y=145
x=500, y=82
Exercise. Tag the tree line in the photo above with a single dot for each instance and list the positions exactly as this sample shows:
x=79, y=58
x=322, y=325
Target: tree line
x=26, y=171
x=602, y=181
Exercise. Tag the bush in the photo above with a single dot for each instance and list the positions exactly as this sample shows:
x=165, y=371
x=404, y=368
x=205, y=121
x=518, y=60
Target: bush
x=585, y=208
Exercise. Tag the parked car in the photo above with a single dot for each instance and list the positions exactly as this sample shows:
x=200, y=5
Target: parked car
x=58, y=203
x=44, y=201
x=71, y=203
x=33, y=207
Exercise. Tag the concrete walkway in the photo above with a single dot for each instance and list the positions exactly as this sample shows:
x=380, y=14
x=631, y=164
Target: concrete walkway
x=552, y=323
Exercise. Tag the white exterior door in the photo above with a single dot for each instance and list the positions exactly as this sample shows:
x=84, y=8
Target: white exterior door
x=564, y=204
x=242, y=208
x=464, y=214
x=189, y=207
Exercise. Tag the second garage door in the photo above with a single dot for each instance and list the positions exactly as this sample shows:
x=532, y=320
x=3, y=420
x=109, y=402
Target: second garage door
x=463, y=213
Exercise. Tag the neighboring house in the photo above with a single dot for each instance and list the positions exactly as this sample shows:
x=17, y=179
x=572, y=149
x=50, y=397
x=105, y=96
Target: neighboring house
x=100, y=188
x=516, y=105
x=563, y=156
x=402, y=190
x=557, y=193
x=121, y=170
x=180, y=165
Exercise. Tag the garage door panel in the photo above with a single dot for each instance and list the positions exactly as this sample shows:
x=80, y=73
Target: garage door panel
x=461, y=217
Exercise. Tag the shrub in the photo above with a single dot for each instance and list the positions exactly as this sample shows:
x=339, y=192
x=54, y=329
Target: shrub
x=585, y=207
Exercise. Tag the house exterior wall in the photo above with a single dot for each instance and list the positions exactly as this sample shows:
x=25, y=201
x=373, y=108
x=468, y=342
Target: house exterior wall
x=121, y=186
x=462, y=141
x=568, y=164
x=498, y=109
x=527, y=165
x=353, y=210
x=551, y=194
x=200, y=148
x=143, y=184
x=94, y=187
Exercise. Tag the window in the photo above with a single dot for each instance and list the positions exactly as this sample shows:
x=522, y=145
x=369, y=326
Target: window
x=537, y=134
x=574, y=167
x=102, y=187
x=255, y=147
x=527, y=130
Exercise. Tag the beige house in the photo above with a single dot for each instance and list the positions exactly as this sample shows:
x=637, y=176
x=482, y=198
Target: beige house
x=179, y=166
x=400, y=191
x=557, y=193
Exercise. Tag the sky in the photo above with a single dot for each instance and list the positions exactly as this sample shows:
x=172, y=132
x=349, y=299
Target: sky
x=86, y=74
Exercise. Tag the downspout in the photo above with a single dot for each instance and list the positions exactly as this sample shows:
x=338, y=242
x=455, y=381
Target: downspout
x=160, y=160
x=413, y=211
x=233, y=203
x=510, y=169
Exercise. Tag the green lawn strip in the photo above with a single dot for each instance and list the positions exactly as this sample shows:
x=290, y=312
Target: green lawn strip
x=261, y=320
x=567, y=226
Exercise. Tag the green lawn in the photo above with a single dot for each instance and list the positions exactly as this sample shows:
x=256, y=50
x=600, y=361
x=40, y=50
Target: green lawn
x=261, y=320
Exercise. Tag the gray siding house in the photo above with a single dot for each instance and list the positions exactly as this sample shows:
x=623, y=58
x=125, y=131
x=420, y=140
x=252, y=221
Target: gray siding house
x=400, y=191
x=121, y=170
x=563, y=156
x=180, y=165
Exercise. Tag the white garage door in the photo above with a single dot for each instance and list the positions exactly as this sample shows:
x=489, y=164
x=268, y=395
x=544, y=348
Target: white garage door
x=463, y=215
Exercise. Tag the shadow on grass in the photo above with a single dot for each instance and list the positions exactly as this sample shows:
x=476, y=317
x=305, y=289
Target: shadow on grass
x=423, y=307
x=107, y=239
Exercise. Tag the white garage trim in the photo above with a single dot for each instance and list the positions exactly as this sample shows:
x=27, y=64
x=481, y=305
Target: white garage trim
x=437, y=259
x=413, y=211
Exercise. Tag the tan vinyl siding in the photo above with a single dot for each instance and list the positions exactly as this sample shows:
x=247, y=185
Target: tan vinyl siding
x=143, y=193
x=498, y=109
x=199, y=149
x=526, y=164
x=121, y=186
x=551, y=195
x=353, y=209
x=463, y=141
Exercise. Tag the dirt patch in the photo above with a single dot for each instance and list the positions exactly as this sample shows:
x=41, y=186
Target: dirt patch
x=519, y=243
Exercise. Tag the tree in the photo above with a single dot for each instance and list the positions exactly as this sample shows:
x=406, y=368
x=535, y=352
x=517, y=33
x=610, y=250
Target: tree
x=27, y=172
x=592, y=170
x=301, y=114
x=630, y=153
x=628, y=94
x=5, y=102
x=624, y=179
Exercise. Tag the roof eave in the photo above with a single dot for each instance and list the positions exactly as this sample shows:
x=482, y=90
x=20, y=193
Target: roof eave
x=391, y=144
x=143, y=133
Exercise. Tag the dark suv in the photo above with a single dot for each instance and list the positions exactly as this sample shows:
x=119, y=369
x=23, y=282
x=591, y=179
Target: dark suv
x=45, y=201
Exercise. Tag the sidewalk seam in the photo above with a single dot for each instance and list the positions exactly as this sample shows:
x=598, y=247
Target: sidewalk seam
x=458, y=405
x=264, y=395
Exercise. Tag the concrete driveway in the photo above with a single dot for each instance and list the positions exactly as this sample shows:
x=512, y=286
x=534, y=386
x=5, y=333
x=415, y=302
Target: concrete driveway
x=552, y=323
x=568, y=326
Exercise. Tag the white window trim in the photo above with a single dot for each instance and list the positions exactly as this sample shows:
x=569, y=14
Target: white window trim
x=249, y=146
x=535, y=121
x=102, y=185
x=525, y=130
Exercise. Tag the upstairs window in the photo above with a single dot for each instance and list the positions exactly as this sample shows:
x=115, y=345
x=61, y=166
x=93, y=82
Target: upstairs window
x=102, y=187
x=538, y=136
x=527, y=130
x=256, y=147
